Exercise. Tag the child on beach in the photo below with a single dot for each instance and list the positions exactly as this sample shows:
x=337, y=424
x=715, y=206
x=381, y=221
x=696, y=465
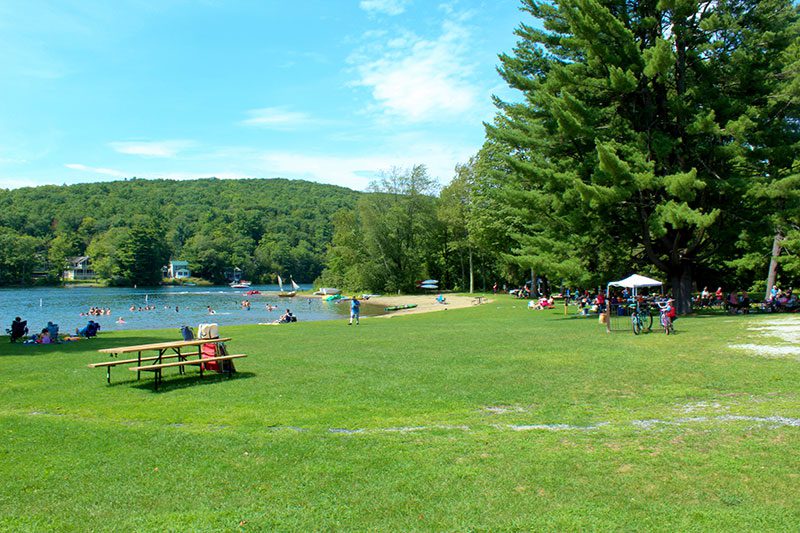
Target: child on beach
x=355, y=310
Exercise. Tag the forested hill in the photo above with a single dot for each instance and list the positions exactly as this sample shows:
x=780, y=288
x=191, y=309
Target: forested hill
x=132, y=228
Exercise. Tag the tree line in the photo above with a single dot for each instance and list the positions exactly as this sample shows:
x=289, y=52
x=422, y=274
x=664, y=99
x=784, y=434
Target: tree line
x=132, y=228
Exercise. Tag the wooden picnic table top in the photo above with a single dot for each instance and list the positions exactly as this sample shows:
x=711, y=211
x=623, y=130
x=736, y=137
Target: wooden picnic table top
x=162, y=345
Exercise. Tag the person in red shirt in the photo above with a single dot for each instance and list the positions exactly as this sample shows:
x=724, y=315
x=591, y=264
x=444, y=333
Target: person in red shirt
x=601, y=302
x=670, y=311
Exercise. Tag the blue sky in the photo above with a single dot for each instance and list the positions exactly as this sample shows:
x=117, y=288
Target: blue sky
x=330, y=91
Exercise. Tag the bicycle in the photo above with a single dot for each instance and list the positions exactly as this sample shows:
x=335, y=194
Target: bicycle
x=638, y=321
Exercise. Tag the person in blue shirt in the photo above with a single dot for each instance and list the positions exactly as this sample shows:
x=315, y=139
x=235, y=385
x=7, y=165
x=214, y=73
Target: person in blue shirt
x=53, y=330
x=355, y=310
x=89, y=330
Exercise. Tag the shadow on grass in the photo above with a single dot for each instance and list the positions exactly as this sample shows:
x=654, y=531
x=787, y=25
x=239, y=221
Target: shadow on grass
x=573, y=316
x=176, y=382
x=83, y=345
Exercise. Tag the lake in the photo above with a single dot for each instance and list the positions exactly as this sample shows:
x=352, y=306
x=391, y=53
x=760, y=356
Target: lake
x=170, y=307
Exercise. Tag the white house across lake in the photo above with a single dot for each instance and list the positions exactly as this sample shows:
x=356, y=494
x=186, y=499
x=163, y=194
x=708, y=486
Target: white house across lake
x=179, y=269
x=78, y=268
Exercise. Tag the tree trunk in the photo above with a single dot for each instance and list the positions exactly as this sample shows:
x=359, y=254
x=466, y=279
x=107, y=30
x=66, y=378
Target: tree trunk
x=471, y=273
x=463, y=281
x=772, y=273
x=681, y=282
x=534, y=289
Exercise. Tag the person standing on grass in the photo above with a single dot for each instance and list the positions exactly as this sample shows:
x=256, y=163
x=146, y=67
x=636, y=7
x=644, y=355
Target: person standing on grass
x=355, y=310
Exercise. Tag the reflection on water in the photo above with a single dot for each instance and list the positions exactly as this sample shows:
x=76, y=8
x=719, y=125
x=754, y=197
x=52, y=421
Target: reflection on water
x=160, y=308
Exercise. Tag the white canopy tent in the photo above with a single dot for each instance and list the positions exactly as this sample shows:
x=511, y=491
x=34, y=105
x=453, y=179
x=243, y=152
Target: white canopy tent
x=634, y=281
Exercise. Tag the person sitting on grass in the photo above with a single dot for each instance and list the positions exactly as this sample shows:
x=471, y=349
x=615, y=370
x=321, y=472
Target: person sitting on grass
x=89, y=330
x=286, y=318
x=19, y=328
x=44, y=337
x=53, y=329
x=744, y=303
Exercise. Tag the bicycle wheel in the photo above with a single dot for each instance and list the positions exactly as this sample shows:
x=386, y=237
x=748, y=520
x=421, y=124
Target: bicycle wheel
x=649, y=320
x=636, y=322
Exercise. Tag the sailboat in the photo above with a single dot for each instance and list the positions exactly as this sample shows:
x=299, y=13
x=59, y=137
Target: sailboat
x=287, y=294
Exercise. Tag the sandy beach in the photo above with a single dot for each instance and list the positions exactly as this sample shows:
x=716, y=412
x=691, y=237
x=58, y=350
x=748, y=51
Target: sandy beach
x=425, y=303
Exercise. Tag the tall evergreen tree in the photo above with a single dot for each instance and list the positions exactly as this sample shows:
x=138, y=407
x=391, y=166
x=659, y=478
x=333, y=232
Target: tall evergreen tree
x=142, y=254
x=636, y=134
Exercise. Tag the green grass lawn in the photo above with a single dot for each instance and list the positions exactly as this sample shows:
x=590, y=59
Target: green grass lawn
x=492, y=418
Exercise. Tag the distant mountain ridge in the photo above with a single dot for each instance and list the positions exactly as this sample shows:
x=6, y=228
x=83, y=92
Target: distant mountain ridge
x=262, y=226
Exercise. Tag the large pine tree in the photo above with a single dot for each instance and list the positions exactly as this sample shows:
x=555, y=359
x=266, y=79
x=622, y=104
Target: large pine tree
x=644, y=128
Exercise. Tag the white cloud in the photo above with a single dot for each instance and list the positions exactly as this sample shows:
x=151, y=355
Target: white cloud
x=243, y=162
x=356, y=172
x=169, y=148
x=388, y=7
x=277, y=118
x=97, y=170
x=18, y=183
x=420, y=79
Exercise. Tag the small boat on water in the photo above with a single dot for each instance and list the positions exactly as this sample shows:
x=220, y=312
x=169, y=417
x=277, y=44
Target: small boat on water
x=251, y=293
x=241, y=284
x=287, y=294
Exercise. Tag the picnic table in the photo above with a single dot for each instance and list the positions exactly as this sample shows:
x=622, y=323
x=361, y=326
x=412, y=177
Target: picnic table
x=163, y=350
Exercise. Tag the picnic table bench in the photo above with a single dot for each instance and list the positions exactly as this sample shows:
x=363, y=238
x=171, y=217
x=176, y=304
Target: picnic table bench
x=156, y=369
x=162, y=348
